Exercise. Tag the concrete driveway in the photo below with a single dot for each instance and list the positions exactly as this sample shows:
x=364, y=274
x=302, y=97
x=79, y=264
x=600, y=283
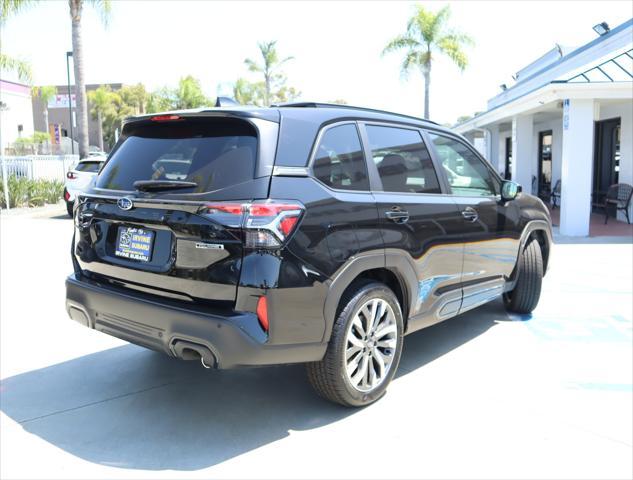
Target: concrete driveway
x=484, y=395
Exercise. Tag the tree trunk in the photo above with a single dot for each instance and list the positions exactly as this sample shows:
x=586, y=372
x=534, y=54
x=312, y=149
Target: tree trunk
x=100, y=125
x=80, y=84
x=427, y=85
x=46, y=126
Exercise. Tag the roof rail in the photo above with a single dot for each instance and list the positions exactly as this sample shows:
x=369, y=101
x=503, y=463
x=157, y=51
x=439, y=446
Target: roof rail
x=350, y=107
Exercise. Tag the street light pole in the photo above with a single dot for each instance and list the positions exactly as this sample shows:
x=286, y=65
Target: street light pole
x=70, y=102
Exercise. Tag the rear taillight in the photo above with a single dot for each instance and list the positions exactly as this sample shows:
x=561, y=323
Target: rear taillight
x=269, y=224
x=266, y=224
x=71, y=175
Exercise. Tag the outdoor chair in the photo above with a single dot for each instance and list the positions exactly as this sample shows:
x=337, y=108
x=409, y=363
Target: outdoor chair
x=555, y=195
x=618, y=197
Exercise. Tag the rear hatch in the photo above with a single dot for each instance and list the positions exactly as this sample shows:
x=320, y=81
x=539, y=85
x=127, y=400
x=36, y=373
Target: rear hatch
x=164, y=216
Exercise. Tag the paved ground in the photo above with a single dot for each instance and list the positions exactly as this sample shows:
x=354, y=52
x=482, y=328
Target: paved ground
x=483, y=395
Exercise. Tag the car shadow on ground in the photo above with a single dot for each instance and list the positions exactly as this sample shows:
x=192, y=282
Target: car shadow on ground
x=132, y=408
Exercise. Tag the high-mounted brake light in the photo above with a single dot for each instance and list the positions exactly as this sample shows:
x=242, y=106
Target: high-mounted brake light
x=266, y=224
x=165, y=118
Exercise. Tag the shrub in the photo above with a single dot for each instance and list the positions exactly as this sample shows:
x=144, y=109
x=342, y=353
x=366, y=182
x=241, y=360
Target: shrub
x=24, y=192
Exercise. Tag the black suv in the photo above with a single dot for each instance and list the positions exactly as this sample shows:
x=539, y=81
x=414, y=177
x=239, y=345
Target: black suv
x=298, y=233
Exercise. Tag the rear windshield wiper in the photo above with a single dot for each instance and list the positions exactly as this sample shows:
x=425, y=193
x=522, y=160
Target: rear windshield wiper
x=154, y=185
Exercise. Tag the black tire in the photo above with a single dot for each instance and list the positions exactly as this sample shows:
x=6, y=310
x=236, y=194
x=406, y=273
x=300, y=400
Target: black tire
x=328, y=377
x=525, y=296
x=69, y=209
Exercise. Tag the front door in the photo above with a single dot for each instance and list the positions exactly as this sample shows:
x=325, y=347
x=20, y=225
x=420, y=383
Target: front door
x=606, y=169
x=490, y=229
x=545, y=164
x=416, y=216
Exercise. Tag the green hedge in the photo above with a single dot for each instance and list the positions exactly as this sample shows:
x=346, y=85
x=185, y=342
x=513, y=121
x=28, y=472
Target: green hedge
x=31, y=193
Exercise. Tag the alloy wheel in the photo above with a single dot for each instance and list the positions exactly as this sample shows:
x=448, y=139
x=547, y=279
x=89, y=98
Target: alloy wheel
x=370, y=346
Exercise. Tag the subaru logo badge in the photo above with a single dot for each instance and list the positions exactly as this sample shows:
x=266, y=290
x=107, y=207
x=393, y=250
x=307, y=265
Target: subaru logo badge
x=125, y=203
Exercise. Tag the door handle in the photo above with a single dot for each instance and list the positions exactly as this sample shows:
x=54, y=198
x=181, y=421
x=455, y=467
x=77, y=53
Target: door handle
x=397, y=216
x=470, y=214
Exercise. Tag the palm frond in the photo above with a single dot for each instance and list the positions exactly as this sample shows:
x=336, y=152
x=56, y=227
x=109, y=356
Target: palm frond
x=451, y=46
x=22, y=68
x=253, y=66
x=9, y=8
x=103, y=9
x=399, y=43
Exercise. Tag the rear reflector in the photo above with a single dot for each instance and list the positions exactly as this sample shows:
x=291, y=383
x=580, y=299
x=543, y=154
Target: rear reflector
x=262, y=313
x=66, y=195
x=165, y=118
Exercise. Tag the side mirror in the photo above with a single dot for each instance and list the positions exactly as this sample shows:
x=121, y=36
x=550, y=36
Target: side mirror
x=509, y=190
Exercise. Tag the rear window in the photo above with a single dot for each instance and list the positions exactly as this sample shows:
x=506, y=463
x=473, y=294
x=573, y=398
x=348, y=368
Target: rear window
x=90, y=167
x=214, y=154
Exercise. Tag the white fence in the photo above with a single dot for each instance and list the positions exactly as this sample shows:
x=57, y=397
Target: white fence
x=50, y=167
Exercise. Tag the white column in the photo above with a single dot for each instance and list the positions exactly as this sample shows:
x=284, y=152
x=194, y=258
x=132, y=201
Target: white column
x=522, y=151
x=577, y=166
x=492, y=147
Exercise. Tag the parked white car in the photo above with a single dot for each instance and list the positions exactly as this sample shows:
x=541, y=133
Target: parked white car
x=79, y=177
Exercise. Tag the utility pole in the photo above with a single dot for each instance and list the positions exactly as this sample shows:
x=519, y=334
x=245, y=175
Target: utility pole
x=70, y=102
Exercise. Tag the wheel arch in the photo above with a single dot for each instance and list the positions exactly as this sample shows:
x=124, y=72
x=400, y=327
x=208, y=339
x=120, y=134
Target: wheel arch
x=371, y=267
x=538, y=230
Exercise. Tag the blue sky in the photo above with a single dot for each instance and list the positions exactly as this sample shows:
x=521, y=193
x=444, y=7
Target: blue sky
x=336, y=45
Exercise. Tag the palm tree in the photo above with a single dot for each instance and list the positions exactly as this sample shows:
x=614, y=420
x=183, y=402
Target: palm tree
x=45, y=94
x=269, y=68
x=76, y=7
x=101, y=100
x=428, y=33
x=11, y=7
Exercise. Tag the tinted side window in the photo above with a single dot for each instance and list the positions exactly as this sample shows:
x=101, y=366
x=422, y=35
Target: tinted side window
x=466, y=172
x=339, y=160
x=403, y=162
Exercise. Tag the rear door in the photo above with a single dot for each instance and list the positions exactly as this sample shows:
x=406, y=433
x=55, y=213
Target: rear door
x=489, y=228
x=184, y=243
x=419, y=222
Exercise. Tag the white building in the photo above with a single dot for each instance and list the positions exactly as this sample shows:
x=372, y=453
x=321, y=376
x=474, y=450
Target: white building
x=568, y=117
x=16, y=112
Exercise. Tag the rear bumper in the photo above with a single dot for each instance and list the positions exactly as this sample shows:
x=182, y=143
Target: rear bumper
x=234, y=339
